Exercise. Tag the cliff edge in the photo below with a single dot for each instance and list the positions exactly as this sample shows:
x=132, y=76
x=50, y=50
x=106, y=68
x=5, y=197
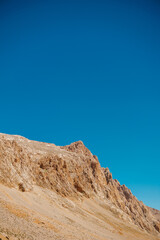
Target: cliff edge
x=70, y=172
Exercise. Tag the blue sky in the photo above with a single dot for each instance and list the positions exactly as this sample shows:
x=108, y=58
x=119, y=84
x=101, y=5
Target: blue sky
x=90, y=71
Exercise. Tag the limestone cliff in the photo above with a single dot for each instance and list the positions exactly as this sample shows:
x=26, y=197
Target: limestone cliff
x=69, y=171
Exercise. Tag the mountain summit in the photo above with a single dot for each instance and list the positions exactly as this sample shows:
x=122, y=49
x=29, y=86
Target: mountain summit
x=62, y=192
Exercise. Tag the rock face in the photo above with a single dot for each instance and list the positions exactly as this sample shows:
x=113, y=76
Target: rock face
x=70, y=171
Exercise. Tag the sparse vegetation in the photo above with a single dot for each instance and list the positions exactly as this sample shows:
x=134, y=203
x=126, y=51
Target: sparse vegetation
x=21, y=187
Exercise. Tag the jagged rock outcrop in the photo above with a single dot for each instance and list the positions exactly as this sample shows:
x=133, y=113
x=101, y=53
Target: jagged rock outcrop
x=70, y=171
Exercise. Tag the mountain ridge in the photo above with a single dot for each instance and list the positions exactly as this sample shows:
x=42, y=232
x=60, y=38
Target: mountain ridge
x=70, y=171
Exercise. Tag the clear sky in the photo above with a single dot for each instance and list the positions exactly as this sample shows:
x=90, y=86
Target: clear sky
x=86, y=70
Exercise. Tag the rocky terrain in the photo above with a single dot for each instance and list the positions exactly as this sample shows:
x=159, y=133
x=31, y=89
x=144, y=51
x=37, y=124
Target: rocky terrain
x=53, y=192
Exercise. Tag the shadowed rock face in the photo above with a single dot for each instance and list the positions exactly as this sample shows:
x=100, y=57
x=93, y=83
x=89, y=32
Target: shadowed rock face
x=70, y=171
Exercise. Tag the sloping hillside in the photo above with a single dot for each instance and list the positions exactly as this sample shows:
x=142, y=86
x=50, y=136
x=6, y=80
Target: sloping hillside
x=53, y=192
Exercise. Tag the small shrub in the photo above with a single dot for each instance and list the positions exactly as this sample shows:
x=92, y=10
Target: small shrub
x=21, y=187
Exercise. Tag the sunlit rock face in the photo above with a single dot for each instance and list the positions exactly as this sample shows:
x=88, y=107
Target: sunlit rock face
x=71, y=172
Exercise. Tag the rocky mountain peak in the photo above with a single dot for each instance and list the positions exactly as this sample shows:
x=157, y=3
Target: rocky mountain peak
x=70, y=171
x=78, y=147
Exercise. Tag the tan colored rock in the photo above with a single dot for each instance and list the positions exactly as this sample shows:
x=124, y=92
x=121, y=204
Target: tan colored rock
x=69, y=171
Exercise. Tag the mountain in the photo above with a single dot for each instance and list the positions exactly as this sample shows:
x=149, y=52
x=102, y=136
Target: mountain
x=62, y=192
